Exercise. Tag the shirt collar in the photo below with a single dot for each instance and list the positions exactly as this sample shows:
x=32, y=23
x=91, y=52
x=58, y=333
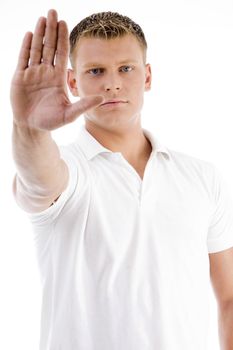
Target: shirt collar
x=91, y=147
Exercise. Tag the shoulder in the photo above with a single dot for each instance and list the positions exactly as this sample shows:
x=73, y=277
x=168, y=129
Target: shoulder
x=192, y=168
x=187, y=162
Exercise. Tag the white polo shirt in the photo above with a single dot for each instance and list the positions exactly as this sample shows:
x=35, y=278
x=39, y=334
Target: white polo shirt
x=124, y=263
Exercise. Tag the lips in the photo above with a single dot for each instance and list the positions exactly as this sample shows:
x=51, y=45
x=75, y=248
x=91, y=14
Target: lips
x=113, y=102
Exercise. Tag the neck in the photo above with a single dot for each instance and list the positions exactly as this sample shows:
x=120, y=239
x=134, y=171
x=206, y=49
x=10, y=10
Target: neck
x=132, y=143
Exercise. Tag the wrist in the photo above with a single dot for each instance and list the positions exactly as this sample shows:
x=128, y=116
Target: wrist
x=29, y=132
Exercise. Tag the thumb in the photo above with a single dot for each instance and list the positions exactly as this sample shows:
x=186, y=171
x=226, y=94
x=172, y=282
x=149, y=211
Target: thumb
x=74, y=110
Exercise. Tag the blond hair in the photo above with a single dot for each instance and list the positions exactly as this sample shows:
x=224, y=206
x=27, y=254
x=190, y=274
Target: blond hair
x=106, y=25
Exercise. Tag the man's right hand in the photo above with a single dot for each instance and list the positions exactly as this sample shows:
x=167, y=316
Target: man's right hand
x=39, y=95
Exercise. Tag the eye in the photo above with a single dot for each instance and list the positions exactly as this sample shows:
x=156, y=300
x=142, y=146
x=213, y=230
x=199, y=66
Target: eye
x=95, y=71
x=127, y=68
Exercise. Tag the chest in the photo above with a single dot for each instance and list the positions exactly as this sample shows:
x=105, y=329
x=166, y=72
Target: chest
x=139, y=166
x=171, y=210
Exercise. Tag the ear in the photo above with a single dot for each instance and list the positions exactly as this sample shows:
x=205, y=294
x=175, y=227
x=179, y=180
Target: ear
x=72, y=82
x=148, y=77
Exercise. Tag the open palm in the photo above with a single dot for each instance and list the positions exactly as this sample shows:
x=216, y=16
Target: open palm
x=39, y=95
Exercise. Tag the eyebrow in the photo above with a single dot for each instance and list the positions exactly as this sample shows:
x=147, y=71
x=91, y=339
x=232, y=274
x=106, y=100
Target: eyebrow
x=98, y=64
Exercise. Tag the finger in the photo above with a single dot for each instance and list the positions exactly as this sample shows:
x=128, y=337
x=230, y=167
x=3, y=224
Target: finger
x=76, y=109
x=24, y=53
x=62, y=52
x=37, y=42
x=50, y=40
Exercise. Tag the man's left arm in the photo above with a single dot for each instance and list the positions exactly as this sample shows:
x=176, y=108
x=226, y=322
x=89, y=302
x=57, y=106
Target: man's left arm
x=221, y=274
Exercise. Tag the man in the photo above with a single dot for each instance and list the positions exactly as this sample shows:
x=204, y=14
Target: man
x=127, y=232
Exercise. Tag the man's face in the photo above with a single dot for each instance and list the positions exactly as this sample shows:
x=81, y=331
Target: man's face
x=114, y=69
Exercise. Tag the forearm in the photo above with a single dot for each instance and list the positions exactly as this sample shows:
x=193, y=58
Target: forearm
x=225, y=323
x=40, y=170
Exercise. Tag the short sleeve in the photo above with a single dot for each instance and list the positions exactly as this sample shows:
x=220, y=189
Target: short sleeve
x=220, y=231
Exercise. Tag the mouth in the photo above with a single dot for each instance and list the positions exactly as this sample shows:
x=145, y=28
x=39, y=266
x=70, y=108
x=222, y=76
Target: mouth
x=113, y=102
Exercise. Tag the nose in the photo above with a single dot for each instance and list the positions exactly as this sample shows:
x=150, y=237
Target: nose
x=109, y=88
x=112, y=83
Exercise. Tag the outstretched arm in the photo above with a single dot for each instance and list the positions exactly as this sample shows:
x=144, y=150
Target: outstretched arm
x=40, y=104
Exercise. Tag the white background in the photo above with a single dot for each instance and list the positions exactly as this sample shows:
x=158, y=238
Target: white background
x=189, y=108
